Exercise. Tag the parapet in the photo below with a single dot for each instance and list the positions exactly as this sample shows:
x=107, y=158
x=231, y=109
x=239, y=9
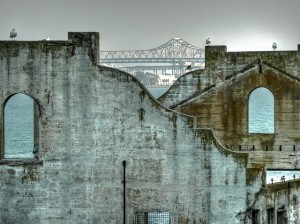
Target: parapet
x=218, y=59
x=82, y=43
x=89, y=40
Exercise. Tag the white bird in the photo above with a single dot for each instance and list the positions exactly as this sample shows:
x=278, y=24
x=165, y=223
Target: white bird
x=48, y=38
x=13, y=34
x=208, y=41
x=274, y=46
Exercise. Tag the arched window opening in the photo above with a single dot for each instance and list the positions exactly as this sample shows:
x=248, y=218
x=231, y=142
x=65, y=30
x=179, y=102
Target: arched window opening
x=261, y=111
x=19, y=127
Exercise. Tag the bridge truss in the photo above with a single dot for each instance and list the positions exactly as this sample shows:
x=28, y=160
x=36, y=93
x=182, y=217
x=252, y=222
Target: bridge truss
x=173, y=57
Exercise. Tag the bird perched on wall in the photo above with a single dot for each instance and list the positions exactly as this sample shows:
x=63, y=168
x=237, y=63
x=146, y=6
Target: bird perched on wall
x=13, y=34
x=208, y=41
x=274, y=46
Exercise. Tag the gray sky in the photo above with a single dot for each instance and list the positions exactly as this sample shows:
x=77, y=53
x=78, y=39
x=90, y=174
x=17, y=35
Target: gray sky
x=145, y=24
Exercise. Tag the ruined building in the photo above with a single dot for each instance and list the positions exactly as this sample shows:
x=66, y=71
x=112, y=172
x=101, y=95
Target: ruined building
x=108, y=152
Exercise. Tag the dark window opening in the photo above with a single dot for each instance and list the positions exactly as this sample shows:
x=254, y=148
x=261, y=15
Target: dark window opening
x=255, y=216
x=20, y=127
x=152, y=218
x=261, y=111
x=271, y=216
x=282, y=216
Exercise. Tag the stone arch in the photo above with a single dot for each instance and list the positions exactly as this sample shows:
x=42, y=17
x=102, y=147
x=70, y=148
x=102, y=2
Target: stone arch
x=21, y=114
x=261, y=111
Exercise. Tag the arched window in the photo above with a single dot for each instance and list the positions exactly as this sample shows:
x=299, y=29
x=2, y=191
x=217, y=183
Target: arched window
x=261, y=111
x=19, y=127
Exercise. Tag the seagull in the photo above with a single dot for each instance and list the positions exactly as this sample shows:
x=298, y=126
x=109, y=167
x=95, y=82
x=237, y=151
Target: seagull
x=13, y=34
x=208, y=41
x=274, y=46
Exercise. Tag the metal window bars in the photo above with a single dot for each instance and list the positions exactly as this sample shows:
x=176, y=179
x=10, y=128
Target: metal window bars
x=152, y=218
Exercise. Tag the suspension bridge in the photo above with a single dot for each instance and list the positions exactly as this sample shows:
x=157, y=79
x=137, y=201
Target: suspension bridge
x=174, y=57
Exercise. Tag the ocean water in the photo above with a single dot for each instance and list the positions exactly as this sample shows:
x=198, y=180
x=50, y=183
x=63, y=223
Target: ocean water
x=261, y=111
x=277, y=175
x=18, y=128
x=157, y=91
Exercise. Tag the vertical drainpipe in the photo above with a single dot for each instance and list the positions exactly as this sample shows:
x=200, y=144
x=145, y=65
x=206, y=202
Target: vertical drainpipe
x=124, y=192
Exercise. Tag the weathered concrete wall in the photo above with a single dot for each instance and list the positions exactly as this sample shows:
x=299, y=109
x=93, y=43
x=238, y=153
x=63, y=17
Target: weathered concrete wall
x=219, y=64
x=184, y=87
x=225, y=107
x=282, y=198
x=91, y=119
x=219, y=97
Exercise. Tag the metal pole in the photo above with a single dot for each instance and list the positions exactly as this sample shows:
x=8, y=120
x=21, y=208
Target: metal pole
x=124, y=192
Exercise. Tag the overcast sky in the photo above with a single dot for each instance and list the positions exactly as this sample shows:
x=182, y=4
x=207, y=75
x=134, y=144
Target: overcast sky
x=144, y=24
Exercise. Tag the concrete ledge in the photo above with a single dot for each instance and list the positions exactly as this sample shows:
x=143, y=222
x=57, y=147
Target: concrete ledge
x=20, y=162
x=283, y=185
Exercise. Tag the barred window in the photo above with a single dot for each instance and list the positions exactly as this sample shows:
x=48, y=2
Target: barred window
x=152, y=218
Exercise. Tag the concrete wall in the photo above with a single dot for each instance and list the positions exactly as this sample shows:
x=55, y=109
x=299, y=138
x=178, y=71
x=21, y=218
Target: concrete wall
x=282, y=198
x=91, y=119
x=224, y=105
x=219, y=64
x=218, y=97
